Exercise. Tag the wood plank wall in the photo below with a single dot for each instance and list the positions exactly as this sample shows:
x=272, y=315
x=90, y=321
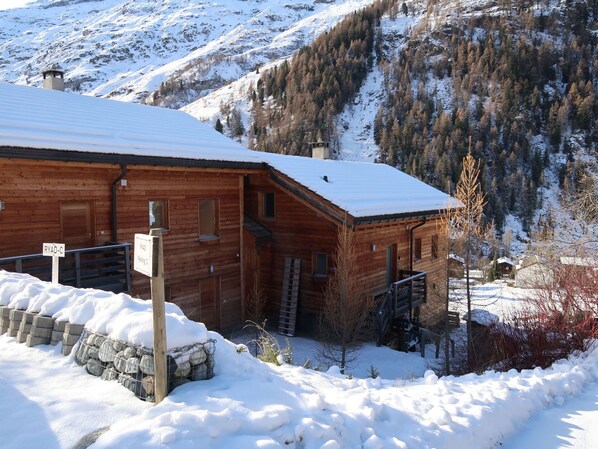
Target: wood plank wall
x=32, y=192
x=298, y=231
x=374, y=261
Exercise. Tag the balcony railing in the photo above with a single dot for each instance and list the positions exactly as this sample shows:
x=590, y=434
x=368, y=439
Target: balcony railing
x=401, y=298
x=103, y=267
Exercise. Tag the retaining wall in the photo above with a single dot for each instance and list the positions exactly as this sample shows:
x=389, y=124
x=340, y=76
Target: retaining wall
x=131, y=365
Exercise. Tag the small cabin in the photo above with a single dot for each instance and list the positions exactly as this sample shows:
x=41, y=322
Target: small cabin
x=506, y=266
x=456, y=266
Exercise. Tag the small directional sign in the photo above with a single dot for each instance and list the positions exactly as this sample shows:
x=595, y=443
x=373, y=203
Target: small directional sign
x=53, y=249
x=146, y=255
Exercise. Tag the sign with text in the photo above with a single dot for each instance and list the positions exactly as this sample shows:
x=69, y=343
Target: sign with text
x=146, y=255
x=53, y=249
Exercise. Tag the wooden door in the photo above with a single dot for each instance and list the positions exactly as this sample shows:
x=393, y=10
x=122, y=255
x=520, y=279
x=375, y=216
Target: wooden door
x=77, y=224
x=209, y=302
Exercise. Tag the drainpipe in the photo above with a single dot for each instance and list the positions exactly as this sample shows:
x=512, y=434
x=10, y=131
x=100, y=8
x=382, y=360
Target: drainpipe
x=411, y=229
x=123, y=173
x=411, y=263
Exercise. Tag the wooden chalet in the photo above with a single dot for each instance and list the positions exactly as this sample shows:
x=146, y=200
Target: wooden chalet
x=91, y=173
x=298, y=205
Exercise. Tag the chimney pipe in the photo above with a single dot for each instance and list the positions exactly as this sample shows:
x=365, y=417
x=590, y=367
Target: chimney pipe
x=53, y=77
x=320, y=150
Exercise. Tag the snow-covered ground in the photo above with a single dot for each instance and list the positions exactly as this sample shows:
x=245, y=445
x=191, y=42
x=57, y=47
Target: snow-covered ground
x=48, y=401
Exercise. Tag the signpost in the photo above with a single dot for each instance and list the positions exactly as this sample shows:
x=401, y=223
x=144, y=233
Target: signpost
x=149, y=260
x=56, y=251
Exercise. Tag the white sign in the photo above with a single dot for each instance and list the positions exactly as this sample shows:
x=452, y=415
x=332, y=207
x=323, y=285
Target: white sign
x=146, y=255
x=53, y=249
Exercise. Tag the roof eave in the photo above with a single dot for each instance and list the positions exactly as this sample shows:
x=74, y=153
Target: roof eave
x=129, y=159
x=371, y=219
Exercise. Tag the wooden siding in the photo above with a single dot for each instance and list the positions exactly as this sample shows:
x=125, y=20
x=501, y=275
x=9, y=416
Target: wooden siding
x=299, y=230
x=373, y=263
x=33, y=191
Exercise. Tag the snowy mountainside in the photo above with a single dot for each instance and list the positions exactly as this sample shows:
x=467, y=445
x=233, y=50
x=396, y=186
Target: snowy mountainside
x=414, y=49
x=127, y=49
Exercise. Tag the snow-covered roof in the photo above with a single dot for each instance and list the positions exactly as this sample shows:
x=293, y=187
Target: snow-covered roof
x=455, y=257
x=48, y=119
x=505, y=260
x=580, y=261
x=362, y=189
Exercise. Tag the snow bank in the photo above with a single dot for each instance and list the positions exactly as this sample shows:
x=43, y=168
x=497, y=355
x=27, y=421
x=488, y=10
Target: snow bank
x=258, y=405
x=119, y=316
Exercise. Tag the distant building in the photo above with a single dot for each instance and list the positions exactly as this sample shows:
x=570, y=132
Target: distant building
x=505, y=266
x=534, y=272
x=456, y=266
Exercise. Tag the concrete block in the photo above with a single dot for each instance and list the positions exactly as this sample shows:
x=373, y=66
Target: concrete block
x=5, y=311
x=16, y=315
x=15, y=321
x=70, y=340
x=28, y=317
x=4, y=319
x=66, y=349
x=41, y=332
x=74, y=329
x=34, y=341
x=45, y=322
x=22, y=337
x=59, y=326
x=56, y=337
x=25, y=327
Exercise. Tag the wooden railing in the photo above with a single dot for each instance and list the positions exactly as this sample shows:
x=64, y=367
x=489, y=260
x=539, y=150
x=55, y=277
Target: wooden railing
x=103, y=267
x=400, y=299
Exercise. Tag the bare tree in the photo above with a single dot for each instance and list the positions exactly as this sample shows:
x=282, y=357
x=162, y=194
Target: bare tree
x=344, y=319
x=468, y=222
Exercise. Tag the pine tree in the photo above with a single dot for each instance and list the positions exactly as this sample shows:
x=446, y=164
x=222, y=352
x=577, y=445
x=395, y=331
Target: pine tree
x=218, y=127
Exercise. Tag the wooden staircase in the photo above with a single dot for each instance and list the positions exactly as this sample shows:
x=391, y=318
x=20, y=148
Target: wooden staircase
x=290, y=293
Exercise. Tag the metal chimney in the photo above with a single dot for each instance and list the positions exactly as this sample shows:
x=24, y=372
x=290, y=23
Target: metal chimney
x=53, y=77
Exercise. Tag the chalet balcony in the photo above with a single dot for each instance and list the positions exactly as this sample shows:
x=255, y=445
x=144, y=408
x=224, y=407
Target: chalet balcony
x=103, y=267
x=399, y=300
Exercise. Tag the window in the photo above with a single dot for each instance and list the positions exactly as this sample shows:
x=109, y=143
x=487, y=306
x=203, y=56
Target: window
x=319, y=264
x=435, y=246
x=158, y=216
x=267, y=205
x=417, y=248
x=208, y=220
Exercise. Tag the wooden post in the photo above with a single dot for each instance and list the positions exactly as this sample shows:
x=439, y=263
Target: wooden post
x=157, y=286
x=55, y=263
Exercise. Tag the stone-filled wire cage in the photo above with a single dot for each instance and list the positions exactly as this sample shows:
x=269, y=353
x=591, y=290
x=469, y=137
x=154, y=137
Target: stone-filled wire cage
x=133, y=366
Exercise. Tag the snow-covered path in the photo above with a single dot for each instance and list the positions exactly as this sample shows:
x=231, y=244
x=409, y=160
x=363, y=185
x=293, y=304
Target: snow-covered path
x=574, y=425
x=47, y=401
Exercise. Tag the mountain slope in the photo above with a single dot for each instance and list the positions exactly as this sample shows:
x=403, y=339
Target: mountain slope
x=127, y=49
x=519, y=79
